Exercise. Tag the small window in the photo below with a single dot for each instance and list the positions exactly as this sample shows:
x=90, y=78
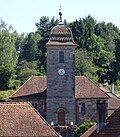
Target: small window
x=61, y=57
x=82, y=108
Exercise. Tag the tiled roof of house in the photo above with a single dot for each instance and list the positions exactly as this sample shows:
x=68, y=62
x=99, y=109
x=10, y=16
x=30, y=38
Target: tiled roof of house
x=35, y=84
x=22, y=120
x=105, y=88
x=61, y=35
x=84, y=87
x=112, y=128
x=114, y=101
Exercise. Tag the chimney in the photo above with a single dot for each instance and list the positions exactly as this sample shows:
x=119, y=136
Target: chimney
x=112, y=88
x=101, y=114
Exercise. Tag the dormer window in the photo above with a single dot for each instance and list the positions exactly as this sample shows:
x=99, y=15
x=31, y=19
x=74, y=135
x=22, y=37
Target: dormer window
x=61, y=57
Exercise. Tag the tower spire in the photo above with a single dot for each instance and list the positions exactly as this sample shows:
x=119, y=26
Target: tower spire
x=60, y=13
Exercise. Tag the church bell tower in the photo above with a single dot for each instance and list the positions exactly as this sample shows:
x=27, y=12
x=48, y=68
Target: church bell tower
x=60, y=102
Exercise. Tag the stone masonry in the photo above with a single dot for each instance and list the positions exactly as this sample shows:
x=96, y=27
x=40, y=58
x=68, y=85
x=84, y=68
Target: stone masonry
x=60, y=88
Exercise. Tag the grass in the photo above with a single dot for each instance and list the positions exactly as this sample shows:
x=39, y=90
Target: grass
x=4, y=95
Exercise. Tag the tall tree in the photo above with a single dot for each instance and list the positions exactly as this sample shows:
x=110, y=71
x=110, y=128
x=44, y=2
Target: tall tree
x=108, y=32
x=8, y=54
x=84, y=65
x=44, y=27
x=30, y=48
x=117, y=56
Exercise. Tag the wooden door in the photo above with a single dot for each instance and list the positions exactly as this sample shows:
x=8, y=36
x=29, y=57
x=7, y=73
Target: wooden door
x=61, y=117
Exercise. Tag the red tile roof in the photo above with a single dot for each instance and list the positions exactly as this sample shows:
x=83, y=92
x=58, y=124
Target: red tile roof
x=112, y=128
x=20, y=119
x=105, y=88
x=113, y=103
x=35, y=84
x=84, y=87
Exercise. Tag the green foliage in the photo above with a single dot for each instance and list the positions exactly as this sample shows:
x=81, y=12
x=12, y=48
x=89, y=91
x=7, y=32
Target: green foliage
x=4, y=95
x=8, y=54
x=44, y=27
x=42, y=71
x=30, y=48
x=98, y=41
x=19, y=44
x=26, y=69
x=97, y=54
x=5, y=75
x=117, y=93
x=117, y=83
x=83, y=128
x=84, y=64
x=14, y=84
x=26, y=74
x=116, y=66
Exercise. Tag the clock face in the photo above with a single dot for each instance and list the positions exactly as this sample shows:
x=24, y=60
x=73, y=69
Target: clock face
x=61, y=72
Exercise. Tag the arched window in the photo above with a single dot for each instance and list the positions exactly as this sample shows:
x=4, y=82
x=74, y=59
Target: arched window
x=61, y=117
x=61, y=57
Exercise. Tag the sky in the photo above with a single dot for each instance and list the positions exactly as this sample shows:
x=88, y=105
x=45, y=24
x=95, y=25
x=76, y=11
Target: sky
x=23, y=14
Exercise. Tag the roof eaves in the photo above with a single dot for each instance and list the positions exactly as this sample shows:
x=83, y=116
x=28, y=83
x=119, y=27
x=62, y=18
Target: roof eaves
x=27, y=95
x=91, y=98
x=20, y=87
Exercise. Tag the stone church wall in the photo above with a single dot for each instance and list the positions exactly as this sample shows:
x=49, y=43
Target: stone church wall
x=87, y=113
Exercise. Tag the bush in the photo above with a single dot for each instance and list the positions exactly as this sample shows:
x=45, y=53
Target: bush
x=14, y=84
x=83, y=128
x=4, y=95
x=117, y=85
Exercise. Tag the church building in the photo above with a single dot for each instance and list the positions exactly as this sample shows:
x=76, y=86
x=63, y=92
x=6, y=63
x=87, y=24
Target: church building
x=61, y=97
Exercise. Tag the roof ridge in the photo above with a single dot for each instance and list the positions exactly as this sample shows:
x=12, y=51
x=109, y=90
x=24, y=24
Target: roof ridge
x=43, y=119
x=17, y=103
x=39, y=76
x=80, y=76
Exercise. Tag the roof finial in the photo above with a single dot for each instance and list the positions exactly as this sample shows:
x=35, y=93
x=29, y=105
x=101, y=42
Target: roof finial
x=60, y=13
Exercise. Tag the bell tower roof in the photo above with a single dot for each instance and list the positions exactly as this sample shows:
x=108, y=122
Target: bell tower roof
x=61, y=35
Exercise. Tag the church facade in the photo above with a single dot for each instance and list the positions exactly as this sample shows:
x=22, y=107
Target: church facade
x=61, y=97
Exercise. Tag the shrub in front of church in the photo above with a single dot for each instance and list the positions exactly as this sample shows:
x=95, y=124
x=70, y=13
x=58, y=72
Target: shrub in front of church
x=83, y=128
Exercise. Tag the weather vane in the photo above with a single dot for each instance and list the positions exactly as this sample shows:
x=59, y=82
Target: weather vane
x=60, y=13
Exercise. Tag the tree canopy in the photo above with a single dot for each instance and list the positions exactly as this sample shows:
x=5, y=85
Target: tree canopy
x=97, y=55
